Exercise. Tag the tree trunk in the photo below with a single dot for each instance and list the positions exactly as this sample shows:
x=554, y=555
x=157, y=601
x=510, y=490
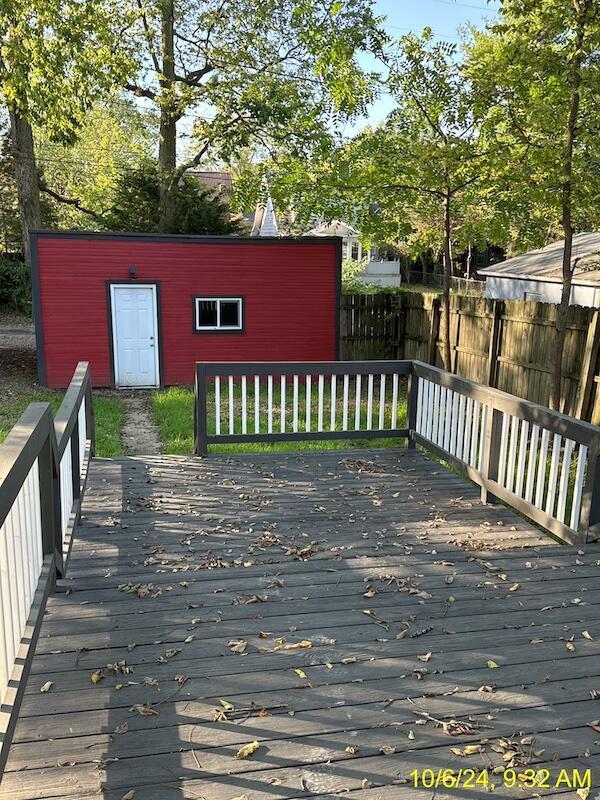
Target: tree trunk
x=567, y=223
x=469, y=260
x=167, y=147
x=26, y=178
x=447, y=274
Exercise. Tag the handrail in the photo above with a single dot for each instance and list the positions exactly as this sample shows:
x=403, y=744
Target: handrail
x=314, y=405
x=544, y=464
x=43, y=470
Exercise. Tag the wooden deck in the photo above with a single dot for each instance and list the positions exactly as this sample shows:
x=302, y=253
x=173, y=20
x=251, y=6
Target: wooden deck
x=344, y=610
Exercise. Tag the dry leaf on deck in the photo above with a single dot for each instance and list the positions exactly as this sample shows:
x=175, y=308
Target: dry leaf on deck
x=247, y=750
x=425, y=657
x=492, y=664
x=300, y=673
x=97, y=676
x=238, y=646
x=226, y=704
x=144, y=710
x=46, y=687
x=129, y=796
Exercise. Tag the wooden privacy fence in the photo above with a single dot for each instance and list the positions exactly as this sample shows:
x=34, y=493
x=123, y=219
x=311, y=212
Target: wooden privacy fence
x=541, y=462
x=508, y=345
x=43, y=470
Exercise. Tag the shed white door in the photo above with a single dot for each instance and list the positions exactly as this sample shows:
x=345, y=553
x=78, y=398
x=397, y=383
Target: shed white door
x=135, y=335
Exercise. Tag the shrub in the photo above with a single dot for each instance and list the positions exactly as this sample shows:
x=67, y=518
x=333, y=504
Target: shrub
x=15, y=285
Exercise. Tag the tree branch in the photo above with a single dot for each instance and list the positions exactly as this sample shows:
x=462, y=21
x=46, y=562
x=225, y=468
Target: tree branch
x=139, y=91
x=69, y=201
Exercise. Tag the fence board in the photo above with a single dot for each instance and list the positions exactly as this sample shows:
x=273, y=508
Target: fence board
x=505, y=344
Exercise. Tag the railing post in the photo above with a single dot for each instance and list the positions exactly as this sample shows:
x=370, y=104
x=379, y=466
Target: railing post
x=75, y=468
x=90, y=421
x=492, y=435
x=590, y=503
x=50, y=511
x=411, y=411
x=200, y=429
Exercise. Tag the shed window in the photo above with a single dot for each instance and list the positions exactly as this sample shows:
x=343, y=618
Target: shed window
x=218, y=313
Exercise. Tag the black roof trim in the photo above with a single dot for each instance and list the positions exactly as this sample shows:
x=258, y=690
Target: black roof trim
x=177, y=238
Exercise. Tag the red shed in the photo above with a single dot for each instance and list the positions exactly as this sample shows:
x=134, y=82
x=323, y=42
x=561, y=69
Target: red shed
x=143, y=308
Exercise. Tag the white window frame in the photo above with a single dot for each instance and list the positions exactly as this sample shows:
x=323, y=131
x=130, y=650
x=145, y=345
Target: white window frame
x=218, y=326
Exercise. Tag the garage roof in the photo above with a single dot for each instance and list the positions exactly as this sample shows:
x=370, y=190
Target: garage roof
x=545, y=264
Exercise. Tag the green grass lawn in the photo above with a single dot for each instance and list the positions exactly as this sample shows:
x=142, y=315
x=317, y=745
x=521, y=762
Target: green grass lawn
x=174, y=416
x=108, y=412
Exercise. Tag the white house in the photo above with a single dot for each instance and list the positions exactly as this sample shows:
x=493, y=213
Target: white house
x=538, y=275
x=383, y=267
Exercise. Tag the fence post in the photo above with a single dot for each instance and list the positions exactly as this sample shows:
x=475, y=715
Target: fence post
x=491, y=450
x=200, y=429
x=411, y=412
x=590, y=503
x=588, y=367
x=492, y=361
x=434, y=329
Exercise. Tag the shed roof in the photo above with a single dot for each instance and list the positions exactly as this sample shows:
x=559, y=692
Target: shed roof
x=545, y=264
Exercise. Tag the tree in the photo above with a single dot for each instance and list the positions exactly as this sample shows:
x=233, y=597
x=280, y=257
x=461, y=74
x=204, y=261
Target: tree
x=267, y=73
x=114, y=137
x=540, y=61
x=197, y=209
x=417, y=178
x=57, y=55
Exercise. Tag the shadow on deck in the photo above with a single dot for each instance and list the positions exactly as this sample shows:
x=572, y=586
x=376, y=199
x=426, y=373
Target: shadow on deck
x=355, y=613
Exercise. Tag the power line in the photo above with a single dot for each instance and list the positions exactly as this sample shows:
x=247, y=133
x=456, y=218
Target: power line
x=463, y=5
x=437, y=35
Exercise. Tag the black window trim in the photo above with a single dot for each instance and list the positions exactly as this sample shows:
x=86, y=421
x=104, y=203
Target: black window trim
x=196, y=299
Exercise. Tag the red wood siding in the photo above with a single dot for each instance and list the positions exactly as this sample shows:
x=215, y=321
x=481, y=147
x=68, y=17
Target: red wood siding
x=289, y=290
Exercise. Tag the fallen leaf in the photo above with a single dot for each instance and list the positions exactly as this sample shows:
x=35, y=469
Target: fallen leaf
x=247, y=750
x=46, y=687
x=492, y=664
x=144, y=710
x=129, y=796
x=226, y=704
x=587, y=635
x=300, y=673
x=349, y=660
x=425, y=657
x=97, y=676
x=238, y=646
x=352, y=749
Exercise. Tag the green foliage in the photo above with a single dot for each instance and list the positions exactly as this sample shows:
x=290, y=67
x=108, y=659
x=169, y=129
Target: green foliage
x=114, y=137
x=522, y=65
x=197, y=209
x=15, y=285
x=351, y=282
x=57, y=55
x=267, y=75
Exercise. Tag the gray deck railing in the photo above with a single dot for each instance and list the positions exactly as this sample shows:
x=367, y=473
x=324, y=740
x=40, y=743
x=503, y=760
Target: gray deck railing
x=43, y=470
x=542, y=463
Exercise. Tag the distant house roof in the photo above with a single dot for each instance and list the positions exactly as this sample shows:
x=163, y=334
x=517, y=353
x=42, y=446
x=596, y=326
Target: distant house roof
x=334, y=228
x=265, y=221
x=221, y=181
x=545, y=264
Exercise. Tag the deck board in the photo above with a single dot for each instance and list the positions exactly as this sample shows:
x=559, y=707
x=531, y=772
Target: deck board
x=404, y=585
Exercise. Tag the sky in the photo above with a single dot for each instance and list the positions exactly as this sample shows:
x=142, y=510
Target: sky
x=444, y=17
